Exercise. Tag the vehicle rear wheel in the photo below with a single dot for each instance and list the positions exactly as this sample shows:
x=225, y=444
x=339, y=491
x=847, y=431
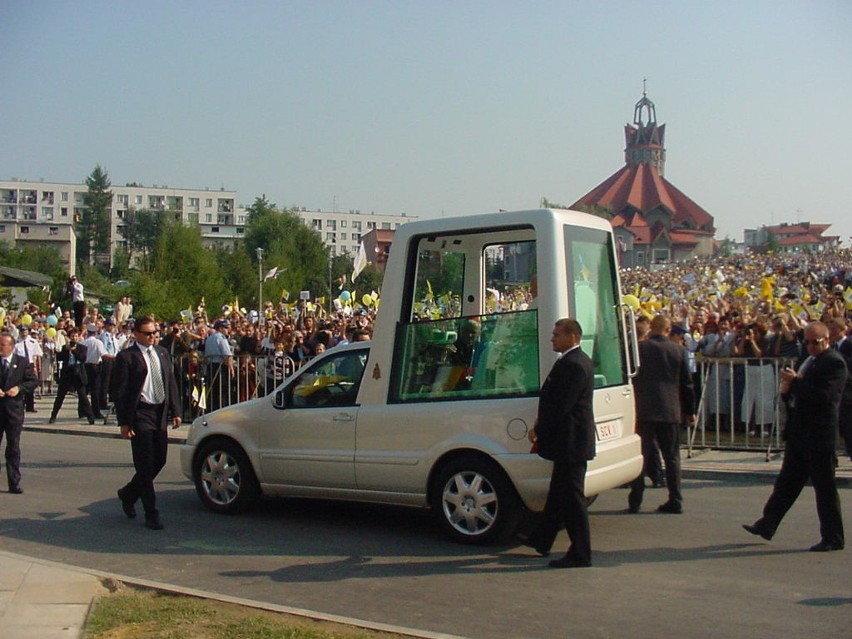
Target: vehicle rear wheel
x=224, y=478
x=474, y=501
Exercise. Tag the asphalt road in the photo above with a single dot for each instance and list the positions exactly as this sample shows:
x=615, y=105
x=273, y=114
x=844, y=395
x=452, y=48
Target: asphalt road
x=694, y=575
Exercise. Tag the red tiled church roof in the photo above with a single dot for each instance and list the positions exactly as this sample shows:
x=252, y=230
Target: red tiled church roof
x=640, y=187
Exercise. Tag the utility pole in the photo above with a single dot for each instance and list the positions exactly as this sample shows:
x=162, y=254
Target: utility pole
x=261, y=315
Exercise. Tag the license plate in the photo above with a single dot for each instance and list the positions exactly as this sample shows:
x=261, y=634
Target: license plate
x=608, y=430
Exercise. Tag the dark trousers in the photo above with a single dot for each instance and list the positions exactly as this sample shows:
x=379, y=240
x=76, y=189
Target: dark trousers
x=66, y=385
x=103, y=383
x=150, y=448
x=846, y=426
x=667, y=436
x=566, y=506
x=798, y=466
x=12, y=432
x=93, y=373
x=79, y=312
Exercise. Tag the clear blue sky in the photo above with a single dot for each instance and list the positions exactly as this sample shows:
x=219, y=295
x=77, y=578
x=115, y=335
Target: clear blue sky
x=436, y=107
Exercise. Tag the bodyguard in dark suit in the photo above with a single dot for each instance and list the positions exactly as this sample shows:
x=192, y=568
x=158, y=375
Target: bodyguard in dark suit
x=146, y=399
x=565, y=434
x=841, y=343
x=813, y=399
x=664, y=401
x=16, y=378
x=72, y=377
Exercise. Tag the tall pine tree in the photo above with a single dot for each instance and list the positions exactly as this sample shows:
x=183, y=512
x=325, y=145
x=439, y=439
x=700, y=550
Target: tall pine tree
x=93, y=227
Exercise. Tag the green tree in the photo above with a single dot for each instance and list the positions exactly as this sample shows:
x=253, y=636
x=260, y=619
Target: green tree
x=184, y=272
x=93, y=228
x=40, y=259
x=140, y=231
x=286, y=243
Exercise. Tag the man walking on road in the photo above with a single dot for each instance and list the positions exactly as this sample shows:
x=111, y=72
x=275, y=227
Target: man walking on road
x=664, y=401
x=146, y=398
x=16, y=378
x=813, y=398
x=565, y=434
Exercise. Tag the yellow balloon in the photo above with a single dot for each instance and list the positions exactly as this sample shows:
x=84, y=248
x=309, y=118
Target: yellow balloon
x=27, y=319
x=366, y=300
x=51, y=332
x=632, y=301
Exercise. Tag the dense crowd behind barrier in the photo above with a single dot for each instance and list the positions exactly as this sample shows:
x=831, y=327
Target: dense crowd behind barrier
x=738, y=317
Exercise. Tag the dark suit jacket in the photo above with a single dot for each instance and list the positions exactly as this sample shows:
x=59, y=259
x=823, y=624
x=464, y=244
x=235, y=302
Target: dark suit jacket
x=77, y=372
x=128, y=378
x=814, y=410
x=22, y=375
x=566, y=423
x=663, y=385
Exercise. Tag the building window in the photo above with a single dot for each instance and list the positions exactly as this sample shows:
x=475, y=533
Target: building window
x=386, y=226
x=332, y=225
x=2, y=228
x=330, y=237
x=240, y=230
x=64, y=211
x=25, y=230
x=137, y=199
x=356, y=225
x=64, y=196
x=47, y=212
x=215, y=229
x=208, y=202
x=343, y=236
x=316, y=223
x=343, y=224
x=53, y=230
x=371, y=225
x=208, y=218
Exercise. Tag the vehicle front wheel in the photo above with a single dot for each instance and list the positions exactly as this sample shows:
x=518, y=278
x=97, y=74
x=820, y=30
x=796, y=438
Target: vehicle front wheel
x=474, y=501
x=224, y=478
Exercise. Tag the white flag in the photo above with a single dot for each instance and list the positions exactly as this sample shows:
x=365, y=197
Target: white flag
x=360, y=261
x=273, y=273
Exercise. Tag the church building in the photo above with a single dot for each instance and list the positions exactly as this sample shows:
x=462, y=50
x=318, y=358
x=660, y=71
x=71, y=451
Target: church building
x=654, y=222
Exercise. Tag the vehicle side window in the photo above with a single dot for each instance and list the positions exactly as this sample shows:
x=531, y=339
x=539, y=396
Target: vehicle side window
x=475, y=357
x=334, y=381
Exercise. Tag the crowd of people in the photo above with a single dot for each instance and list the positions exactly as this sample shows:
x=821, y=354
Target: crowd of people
x=753, y=306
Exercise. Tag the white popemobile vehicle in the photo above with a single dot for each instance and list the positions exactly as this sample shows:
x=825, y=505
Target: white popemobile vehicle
x=434, y=411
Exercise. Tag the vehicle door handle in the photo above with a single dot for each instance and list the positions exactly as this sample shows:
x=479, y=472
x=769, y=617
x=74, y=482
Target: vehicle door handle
x=344, y=417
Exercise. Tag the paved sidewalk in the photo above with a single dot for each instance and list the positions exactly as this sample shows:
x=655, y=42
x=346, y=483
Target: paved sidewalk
x=44, y=600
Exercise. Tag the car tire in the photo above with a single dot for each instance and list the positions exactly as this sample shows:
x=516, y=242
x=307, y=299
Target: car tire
x=474, y=501
x=224, y=478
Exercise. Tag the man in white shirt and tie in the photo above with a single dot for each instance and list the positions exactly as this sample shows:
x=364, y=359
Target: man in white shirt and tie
x=146, y=398
x=29, y=348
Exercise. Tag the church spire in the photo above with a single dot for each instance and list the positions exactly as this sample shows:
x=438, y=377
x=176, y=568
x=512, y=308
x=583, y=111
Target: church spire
x=644, y=138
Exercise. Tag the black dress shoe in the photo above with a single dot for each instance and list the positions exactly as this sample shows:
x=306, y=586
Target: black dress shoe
x=153, y=522
x=52, y=420
x=568, y=561
x=16, y=490
x=98, y=416
x=525, y=541
x=127, y=506
x=826, y=546
x=670, y=507
x=757, y=530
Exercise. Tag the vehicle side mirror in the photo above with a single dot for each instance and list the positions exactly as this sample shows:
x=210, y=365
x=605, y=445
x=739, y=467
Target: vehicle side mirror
x=282, y=396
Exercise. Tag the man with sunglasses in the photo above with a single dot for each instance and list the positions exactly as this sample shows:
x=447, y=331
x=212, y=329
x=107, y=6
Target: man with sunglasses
x=813, y=399
x=145, y=393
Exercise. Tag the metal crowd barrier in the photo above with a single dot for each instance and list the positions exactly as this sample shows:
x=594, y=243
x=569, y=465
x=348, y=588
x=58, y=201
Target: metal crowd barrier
x=206, y=386
x=739, y=406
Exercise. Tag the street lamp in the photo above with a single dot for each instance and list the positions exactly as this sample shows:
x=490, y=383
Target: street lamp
x=260, y=314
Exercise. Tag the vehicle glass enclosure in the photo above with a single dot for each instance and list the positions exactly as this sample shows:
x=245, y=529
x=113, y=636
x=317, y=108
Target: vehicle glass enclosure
x=593, y=287
x=470, y=327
